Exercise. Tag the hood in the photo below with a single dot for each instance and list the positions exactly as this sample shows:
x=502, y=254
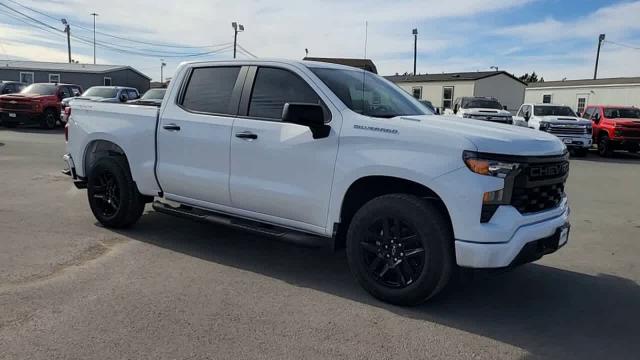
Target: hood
x=482, y=111
x=492, y=137
x=627, y=122
x=24, y=96
x=564, y=120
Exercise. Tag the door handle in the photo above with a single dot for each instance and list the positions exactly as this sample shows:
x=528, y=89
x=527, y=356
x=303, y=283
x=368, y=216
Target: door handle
x=246, y=135
x=171, y=127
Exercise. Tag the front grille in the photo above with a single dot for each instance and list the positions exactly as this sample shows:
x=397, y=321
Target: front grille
x=539, y=198
x=573, y=130
x=539, y=186
x=16, y=106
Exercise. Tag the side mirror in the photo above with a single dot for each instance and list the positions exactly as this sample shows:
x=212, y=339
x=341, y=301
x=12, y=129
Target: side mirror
x=504, y=107
x=596, y=117
x=310, y=115
x=527, y=116
x=455, y=108
x=123, y=98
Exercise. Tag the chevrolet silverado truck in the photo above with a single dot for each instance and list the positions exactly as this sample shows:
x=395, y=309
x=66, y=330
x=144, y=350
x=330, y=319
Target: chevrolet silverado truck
x=37, y=103
x=614, y=128
x=308, y=150
x=559, y=120
x=480, y=108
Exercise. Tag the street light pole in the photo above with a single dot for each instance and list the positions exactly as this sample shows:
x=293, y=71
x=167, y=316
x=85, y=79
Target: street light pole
x=67, y=29
x=162, y=65
x=415, y=49
x=236, y=29
x=600, y=40
x=94, y=36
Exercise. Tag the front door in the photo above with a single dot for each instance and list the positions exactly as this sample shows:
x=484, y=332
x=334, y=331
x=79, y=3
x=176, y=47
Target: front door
x=278, y=169
x=194, y=137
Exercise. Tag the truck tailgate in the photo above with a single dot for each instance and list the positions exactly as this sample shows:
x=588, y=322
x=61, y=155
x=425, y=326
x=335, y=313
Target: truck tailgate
x=131, y=127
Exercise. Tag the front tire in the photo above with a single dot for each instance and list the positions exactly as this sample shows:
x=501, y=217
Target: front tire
x=400, y=249
x=49, y=120
x=604, y=146
x=113, y=196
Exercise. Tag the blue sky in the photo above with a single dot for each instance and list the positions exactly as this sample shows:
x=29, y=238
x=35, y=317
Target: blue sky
x=555, y=38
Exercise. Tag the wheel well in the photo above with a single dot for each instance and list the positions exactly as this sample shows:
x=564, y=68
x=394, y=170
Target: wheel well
x=370, y=187
x=50, y=108
x=98, y=149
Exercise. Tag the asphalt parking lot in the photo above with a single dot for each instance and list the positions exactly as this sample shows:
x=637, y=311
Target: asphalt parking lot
x=171, y=288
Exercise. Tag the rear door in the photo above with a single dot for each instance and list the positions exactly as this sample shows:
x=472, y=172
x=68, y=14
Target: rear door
x=194, y=135
x=278, y=169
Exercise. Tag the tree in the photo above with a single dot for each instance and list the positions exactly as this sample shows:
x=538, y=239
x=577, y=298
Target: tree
x=530, y=78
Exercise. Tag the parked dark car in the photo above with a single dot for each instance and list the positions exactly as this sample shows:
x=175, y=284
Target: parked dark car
x=151, y=97
x=113, y=94
x=38, y=103
x=11, y=87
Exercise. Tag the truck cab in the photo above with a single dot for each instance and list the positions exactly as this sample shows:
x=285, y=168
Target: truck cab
x=559, y=120
x=614, y=127
x=38, y=103
x=480, y=108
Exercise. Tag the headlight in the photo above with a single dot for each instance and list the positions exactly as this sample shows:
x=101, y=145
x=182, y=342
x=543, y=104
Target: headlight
x=485, y=165
x=544, y=126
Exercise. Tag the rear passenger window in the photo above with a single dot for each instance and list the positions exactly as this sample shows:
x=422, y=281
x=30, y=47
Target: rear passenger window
x=132, y=94
x=209, y=89
x=275, y=87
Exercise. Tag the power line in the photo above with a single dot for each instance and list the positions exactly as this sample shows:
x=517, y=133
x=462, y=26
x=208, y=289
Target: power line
x=119, y=37
x=623, y=45
x=118, y=48
x=247, y=52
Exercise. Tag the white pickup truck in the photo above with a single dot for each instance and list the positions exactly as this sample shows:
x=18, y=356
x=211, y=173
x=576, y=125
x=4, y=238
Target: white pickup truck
x=480, y=108
x=299, y=149
x=559, y=120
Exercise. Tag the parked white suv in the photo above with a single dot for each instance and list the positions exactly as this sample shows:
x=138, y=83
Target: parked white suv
x=298, y=149
x=559, y=120
x=480, y=108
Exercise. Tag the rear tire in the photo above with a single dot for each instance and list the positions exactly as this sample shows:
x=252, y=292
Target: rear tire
x=400, y=249
x=604, y=146
x=49, y=120
x=113, y=196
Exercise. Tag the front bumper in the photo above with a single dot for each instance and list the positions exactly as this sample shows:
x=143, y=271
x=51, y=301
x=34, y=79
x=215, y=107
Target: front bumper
x=576, y=142
x=528, y=243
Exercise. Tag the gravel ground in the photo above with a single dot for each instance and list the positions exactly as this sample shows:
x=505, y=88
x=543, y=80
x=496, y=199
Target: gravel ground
x=173, y=289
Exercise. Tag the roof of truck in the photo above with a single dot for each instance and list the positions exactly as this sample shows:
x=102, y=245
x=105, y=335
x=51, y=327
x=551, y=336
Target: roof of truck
x=306, y=63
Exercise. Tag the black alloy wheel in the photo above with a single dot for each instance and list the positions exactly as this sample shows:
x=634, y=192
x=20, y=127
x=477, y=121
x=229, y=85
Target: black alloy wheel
x=107, y=194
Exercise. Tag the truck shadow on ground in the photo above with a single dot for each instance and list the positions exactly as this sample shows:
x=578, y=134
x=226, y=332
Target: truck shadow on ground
x=546, y=311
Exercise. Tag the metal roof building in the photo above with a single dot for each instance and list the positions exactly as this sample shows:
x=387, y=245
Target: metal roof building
x=85, y=75
x=442, y=89
x=580, y=93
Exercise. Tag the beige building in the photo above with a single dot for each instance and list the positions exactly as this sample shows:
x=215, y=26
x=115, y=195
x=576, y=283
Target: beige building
x=579, y=93
x=443, y=89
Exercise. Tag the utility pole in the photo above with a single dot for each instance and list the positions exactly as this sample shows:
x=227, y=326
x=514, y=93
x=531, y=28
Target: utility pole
x=415, y=49
x=67, y=29
x=600, y=40
x=236, y=29
x=94, y=36
x=162, y=65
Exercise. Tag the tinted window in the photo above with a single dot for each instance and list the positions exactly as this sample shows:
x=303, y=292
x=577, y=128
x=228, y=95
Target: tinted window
x=553, y=111
x=622, y=113
x=275, y=87
x=65, y=92
x=132, y=94
x=75, y=91
x=481, y=103
x=209, y=89
x=369, y=94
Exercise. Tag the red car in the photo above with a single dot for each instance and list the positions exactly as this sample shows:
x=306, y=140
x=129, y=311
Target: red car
x=37, y=103
x=614, y=127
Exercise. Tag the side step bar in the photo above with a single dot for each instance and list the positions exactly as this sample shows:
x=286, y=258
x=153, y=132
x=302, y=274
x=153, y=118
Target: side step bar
x=189, y=212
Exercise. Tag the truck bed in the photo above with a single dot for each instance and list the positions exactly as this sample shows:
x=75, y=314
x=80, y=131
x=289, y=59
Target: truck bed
x=131, y=127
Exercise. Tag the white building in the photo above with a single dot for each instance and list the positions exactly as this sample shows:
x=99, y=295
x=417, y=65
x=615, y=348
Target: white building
x=579, y=93
x=443, y=89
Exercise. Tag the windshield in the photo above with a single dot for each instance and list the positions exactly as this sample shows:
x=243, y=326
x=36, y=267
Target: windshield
x=482, y=103
x=155, y=94
x=40, y=89
x=553, y=111
x=622, y=113
x=368, y=94
x=101, y=92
